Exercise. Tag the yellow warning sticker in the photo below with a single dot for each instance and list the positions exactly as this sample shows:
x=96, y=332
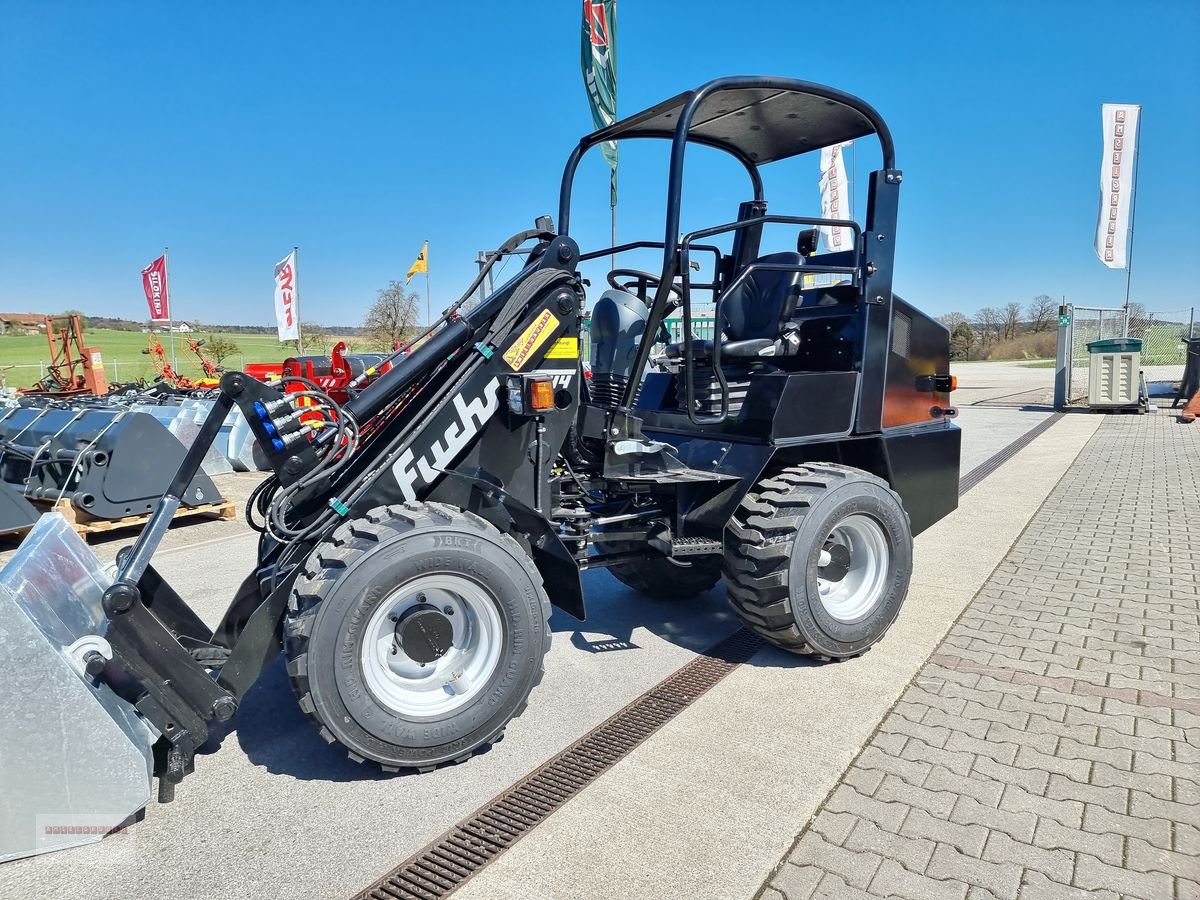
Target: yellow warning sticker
x=564, y=348
x=540, y=331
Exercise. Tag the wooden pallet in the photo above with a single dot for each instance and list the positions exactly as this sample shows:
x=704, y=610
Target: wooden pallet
x=85, y=524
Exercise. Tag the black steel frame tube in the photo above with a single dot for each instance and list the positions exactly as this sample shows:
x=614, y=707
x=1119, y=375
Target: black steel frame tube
x=568, y=179
x=685, y=245
x=394, y=382
x=131, y=569
x=679, y=141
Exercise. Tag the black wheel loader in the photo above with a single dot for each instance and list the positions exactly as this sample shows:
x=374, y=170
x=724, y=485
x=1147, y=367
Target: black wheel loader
x=415, y=538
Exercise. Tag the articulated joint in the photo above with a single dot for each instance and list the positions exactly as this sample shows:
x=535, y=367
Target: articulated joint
x=119, y=599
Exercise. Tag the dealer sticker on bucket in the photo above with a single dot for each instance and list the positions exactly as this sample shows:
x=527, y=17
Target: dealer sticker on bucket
x=540, y=331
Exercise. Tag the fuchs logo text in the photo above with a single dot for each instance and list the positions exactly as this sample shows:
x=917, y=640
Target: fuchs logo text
x=412, y=472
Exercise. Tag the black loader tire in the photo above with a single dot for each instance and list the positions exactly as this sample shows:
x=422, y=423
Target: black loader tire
x=660, y=576
x=773, y=545
x=347, y=578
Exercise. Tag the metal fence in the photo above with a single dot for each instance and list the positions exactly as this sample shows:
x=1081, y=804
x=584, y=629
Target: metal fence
x=115, y=370
x=1162, y=333
x=702, y=330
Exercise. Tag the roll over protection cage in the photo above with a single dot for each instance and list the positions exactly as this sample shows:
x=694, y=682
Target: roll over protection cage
x=833, y=116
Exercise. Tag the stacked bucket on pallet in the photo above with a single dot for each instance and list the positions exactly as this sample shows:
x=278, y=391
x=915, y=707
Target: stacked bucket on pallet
x=109, y=460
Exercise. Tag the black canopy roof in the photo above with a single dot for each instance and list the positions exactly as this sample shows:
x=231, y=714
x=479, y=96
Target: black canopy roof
x=761, y=119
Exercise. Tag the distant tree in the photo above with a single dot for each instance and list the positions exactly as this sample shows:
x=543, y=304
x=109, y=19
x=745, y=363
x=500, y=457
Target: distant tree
x=1138, y=319
x=989, y=323
x=1041, y=312
x=962, y=339
x=220, y=348
x=952, y=320
x=316, y=338
x=1012, y=319
x=392, y=316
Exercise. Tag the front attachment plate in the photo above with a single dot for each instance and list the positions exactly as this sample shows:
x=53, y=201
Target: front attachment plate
x=75, y=759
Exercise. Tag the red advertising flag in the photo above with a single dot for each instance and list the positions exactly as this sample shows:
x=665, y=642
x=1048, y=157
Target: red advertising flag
x=154, y=282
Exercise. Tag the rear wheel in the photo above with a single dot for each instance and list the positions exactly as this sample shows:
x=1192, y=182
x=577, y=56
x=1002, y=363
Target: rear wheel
x=661, y=576
x=818, y=559
x=415, y=634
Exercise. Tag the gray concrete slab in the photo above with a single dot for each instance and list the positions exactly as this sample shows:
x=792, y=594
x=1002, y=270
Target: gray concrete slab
x=1008, y=383
x=988, y=430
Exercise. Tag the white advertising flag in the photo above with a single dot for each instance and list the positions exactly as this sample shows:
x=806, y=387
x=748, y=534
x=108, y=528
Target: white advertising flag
x=835, y=198
x=287, y=310
x=1116, y=182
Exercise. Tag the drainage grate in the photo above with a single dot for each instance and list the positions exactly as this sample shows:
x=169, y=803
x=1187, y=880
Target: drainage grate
x=439, y=868
x=992, y=463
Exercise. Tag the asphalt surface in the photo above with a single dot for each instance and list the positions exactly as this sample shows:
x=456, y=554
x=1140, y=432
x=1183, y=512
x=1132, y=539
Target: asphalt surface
x=272, y=809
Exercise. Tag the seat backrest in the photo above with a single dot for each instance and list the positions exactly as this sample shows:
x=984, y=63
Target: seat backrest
x=759, y=304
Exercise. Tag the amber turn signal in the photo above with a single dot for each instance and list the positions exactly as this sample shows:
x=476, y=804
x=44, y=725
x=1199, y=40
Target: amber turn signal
x=541, y=394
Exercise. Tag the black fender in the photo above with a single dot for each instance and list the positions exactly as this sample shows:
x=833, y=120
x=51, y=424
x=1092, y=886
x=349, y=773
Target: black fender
x=472, y=491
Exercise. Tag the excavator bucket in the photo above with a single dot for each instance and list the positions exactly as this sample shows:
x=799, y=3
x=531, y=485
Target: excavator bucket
x=108, y=463
x=76, y=759
x=16, y=513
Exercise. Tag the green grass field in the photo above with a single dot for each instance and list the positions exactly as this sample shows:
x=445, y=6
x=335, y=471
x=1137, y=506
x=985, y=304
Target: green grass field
x=123, y=357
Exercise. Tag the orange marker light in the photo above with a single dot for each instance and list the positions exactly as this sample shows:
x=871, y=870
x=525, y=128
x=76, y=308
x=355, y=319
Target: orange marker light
x=953, y=382
x=541, y=395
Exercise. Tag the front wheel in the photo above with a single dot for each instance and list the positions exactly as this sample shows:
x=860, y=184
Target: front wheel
x=818, y=559
x=415, y=634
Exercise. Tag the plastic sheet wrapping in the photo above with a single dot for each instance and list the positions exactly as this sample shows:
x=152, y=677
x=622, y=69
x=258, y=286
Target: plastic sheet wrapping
x=184, y=420
x=75, y=758
x=240, y=444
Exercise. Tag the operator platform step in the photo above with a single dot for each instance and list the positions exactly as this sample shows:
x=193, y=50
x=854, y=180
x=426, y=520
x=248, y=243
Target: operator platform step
x=689, y=546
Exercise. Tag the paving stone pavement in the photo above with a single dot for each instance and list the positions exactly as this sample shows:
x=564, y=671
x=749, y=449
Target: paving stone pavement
x=1050, y=747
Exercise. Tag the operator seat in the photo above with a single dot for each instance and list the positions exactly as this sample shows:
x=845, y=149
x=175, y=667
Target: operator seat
x=754, y=311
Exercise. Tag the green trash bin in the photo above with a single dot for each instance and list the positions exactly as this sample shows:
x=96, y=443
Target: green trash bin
x=1114, y=373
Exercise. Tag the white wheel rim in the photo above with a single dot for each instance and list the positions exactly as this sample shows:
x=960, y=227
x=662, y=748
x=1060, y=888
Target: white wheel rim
x=450, y=682
x=852, y=597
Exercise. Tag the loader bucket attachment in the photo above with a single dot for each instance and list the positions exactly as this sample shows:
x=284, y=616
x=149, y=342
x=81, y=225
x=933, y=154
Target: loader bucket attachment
x=16, y=513
x=107, y=463
x=75, y=758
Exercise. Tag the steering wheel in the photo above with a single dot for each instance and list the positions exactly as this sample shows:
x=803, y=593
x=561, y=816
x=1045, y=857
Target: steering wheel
x=643, y=281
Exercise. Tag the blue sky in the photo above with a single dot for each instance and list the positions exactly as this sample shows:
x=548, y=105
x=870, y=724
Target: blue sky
x=357, y=130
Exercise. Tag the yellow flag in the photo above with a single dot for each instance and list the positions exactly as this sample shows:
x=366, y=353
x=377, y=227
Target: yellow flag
x=421, y=264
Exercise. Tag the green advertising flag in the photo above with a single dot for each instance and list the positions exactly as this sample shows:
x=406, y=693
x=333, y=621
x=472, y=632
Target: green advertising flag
x=599, y=60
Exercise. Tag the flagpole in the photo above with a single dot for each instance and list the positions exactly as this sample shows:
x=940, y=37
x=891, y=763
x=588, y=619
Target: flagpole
x=428, y=306
x=296, y=299
x=170, y=318
x=612, y=212
x=1137, y=156
x=853, y=172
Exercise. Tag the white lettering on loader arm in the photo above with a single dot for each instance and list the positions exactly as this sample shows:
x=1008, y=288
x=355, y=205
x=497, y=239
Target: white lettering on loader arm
x=472, y=417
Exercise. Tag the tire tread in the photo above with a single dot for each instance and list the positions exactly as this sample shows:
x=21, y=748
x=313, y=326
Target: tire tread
x=758, y=548
x=329, y=561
